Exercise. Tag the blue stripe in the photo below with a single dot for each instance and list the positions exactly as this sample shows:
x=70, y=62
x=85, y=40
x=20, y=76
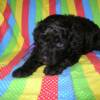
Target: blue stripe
x=4, y=84
x=65, y=89
x=87, y=9
x=11, y=21
x=58, y=6
x=8, y=35
x=8, y=1
x=97, y=53
x=32, y=15
x=5, y=41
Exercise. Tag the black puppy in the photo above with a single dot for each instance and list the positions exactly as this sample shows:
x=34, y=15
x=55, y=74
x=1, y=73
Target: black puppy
x=60, y=40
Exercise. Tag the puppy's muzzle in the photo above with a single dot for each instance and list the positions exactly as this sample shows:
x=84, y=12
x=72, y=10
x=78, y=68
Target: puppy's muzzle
x=45, y=59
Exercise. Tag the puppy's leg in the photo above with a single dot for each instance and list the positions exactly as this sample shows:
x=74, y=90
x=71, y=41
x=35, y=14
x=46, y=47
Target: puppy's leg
x=29, y=67
x=58, y=68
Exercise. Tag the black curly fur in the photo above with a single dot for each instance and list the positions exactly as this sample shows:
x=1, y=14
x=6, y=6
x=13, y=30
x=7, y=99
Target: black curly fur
x=60, y=40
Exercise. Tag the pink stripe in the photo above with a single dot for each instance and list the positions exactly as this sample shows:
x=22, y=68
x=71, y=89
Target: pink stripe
x=25, y=13
x=4, y=26
x=79, y=7
x=49, y=88
x=3, y=29
x=7, y=12
x=52, y=6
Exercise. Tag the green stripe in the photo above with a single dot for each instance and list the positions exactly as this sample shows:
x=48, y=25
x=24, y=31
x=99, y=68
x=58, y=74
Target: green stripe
x=80, y=84
x=95, y=11
x=64, y=8
x=15, y=89
x=13, y=6
x=13, y=42
x=38, y=10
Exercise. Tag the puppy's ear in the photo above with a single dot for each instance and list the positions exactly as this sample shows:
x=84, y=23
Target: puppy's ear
x=38, y=29
x=39, y=23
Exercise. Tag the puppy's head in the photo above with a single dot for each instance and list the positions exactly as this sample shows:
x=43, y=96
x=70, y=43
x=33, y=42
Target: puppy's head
x=50, y=38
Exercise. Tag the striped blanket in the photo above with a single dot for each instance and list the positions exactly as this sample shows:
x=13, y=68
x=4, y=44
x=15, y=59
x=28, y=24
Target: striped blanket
x=17, y=21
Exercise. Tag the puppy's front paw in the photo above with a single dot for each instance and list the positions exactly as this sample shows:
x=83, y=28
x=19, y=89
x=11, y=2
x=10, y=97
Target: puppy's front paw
x=20, y=72
x=53, y=70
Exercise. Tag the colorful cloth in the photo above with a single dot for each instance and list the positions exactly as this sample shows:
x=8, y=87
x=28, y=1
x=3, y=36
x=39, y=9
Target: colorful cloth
x=17, y=21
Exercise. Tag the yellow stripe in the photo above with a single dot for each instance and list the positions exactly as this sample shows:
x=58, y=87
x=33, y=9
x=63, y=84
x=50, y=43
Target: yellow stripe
x=92, y=76
x=20, y=40
x=71, y=7
x=3, y=4
x=98, y=2
x=1, y=19
x=18, y=13
x=7, y=58
x=45, y=8
x=33, y=86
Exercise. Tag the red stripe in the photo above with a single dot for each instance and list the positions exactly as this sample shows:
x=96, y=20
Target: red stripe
x=25, y=13
x=7, y=69
x=79, y=7
x=94, y=60
x=4, y=26
x=52, y=6
x=7, y=12
x=3, y=29
x=49, y=88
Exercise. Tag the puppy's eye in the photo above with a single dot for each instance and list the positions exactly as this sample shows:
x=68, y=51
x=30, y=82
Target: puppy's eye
x=60, y=45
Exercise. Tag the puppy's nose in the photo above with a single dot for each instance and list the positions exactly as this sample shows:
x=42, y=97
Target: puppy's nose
x=45, y=58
